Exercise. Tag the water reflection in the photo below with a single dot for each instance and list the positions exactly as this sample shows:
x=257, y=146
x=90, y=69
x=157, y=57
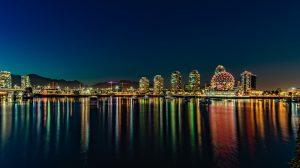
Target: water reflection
x=223, y=132
x=226, y=133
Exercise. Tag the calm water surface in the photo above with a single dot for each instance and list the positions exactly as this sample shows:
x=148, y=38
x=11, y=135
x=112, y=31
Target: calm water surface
x=153, y=132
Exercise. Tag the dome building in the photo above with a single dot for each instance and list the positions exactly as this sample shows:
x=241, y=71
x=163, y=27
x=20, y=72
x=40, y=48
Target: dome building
x=222, y=83
x=220, y=68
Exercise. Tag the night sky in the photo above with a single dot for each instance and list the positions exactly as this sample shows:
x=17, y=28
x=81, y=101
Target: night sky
x=107, y=40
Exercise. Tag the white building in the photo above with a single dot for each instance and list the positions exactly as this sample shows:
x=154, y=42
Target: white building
x=194, y=81
x=176, y=82
x=158, y=87
x=144, y=85
x=5, y=79
x=25, y=81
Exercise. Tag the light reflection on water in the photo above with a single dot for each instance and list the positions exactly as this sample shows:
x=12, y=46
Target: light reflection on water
x=122, y=131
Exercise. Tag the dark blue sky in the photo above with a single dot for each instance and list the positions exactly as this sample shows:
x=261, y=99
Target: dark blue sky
x=102, y=40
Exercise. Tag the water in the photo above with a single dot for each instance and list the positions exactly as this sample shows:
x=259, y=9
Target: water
x=148, y=132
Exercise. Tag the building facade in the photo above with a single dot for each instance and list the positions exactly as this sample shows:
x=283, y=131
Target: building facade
x=194, y=81
x=25, y=81
x=5, y=80
x=144, y=85
x=158, y=82
x=248, y=81
x=176, y=82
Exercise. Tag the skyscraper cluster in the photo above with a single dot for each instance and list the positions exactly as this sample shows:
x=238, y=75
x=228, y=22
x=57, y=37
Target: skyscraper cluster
x=6, y=80
x=222, y=83
x=176, y=84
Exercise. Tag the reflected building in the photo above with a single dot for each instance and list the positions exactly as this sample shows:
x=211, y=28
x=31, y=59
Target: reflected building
x=5, y=79
x=223, y=134
x=248, y=81
x=158, y=88
x=144, y=85
x=223, y=131
x=194, y=81
x=295, y=162
x=176, y=82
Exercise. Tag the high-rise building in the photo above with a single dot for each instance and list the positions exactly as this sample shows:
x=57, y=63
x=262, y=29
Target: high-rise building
x=5, y=79
x=158, y=87
x=248, y=81
x=176, y=82
x=144, y=85
x=194, y=81
x=25, y=82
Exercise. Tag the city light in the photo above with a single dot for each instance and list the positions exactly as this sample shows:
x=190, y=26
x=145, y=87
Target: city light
x=223, y=84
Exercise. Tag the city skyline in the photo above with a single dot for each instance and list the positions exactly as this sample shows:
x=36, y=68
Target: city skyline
x=110, y=41
x=184, y=82
x=138, y=83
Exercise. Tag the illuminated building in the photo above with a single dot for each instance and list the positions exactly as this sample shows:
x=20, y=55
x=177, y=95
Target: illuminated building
x=158, y=87
x=144, y=85
x=222, y=80
x=220, y=68
x=176, y=82
x=54, y=85
x=248, y=80
x=194, y=81
x=25, y=81
x=5, y=79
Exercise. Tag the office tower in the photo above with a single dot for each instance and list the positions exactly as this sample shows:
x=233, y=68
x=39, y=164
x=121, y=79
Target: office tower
x=248, y=81
x=144, y=85
x=176, y=82
x=158, y=87
x=194, y=81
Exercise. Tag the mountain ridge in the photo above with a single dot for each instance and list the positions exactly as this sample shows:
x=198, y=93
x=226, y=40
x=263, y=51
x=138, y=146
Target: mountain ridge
x=37, y=80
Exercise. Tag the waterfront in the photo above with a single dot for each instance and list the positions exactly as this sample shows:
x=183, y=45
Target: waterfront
x=67, y=132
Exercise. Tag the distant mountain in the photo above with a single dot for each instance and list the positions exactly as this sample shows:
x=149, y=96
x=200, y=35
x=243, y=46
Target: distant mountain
x=124, y=83
x=43, y=81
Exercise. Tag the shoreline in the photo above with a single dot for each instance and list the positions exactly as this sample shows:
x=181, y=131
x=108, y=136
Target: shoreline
x=173, y=96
